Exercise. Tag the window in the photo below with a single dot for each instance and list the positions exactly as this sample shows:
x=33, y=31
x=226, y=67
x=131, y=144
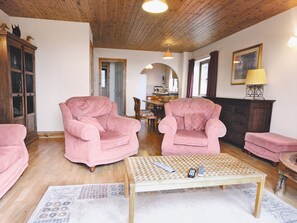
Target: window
x=200, y=77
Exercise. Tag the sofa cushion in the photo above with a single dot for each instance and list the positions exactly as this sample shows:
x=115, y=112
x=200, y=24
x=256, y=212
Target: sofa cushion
x=182, y=106
x=8, y=155
x=271, y=141
x=103, y=119
x=92, y=121
x=180, y=122
x=195, y=121
x=111, y=139
x=89, y=106
x=190, y=138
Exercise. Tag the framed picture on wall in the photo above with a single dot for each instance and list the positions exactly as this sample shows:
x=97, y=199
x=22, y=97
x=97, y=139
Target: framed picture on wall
x=244, y=60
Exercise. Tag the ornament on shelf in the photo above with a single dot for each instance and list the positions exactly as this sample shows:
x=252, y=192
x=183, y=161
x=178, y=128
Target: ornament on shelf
x=16, y=30
x=29, y=38
x=4, y=27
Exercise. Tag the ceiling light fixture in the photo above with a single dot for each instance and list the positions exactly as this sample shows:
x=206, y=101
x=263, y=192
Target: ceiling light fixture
x=292, y=42
x=149, y=67
x=167, y=55
x=155, y=6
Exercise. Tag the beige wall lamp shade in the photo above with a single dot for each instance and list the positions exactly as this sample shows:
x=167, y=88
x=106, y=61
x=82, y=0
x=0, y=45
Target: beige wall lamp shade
x=256, y=77
x=155, y=6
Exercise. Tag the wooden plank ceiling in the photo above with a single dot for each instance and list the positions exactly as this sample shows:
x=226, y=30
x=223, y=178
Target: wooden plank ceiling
x=187, y=25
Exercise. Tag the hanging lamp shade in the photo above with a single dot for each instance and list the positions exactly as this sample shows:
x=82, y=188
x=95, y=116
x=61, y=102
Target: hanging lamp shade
x=168, y=55
x=155, y=6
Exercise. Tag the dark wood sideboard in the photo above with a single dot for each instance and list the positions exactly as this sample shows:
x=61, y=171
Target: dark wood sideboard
x=244, y=115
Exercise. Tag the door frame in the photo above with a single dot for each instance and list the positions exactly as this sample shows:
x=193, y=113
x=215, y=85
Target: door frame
x=114, y=60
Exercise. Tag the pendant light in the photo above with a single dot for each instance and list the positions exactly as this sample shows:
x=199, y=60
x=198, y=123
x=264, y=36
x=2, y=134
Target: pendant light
x=155, y=6
x=167, y=55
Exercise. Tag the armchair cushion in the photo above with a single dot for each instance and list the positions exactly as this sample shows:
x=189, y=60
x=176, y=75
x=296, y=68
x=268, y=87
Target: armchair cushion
x=111, y=139
x=180, y=122
x=92, y=121
x=89, y=106
x=190, y=138
x=195, y=121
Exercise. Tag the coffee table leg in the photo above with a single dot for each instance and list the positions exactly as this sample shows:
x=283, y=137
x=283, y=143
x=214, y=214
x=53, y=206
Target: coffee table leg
x=131, y=203
x=259, y=195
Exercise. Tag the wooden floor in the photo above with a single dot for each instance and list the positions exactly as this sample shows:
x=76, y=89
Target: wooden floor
x=47, y=166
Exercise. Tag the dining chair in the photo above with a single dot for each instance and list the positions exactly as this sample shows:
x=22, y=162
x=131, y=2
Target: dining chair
x=144, y=114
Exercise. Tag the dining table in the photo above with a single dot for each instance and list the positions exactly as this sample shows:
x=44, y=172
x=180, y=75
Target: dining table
x=158, y=107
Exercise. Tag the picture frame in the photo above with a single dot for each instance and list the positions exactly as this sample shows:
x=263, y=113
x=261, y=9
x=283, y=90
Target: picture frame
x=244, y=60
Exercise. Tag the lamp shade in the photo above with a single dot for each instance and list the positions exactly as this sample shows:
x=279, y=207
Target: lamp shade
x=155, y=6
x=256, y=77
x=168, y=55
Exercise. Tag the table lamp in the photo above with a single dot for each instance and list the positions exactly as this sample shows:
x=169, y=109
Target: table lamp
x=255, y=80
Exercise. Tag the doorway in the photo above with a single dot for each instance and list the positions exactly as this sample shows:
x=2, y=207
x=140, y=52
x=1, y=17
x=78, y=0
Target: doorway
x=112, y=81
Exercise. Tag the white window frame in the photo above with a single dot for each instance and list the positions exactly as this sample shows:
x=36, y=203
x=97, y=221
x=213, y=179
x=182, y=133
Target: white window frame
x=197, y=77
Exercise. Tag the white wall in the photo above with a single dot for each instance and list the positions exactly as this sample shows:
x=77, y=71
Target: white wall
x=136, y=61
x=62, y=65
x=4, y=18
x=278, y=60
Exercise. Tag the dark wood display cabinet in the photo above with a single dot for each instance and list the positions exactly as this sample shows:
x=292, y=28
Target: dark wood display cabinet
x=17, y=88
x=244, y=115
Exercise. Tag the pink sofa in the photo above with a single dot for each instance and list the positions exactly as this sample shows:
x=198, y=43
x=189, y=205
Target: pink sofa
x=95, y=134
x=191, y=126
x=13, y=155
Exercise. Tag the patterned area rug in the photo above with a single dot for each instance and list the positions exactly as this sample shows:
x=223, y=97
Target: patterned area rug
x=106, y=203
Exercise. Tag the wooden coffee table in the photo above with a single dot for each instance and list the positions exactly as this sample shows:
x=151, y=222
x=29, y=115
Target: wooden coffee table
x=220, y=170
x=287, y=169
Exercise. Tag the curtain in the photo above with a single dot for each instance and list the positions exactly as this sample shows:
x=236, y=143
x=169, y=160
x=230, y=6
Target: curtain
x=212, y=74
x=190, y=78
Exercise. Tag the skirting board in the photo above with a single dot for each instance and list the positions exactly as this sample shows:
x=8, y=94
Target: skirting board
x=57, y=134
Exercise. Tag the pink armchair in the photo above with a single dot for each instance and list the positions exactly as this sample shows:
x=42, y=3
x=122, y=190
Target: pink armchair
x=191, y=126
x=13, y=155
x=95, y=134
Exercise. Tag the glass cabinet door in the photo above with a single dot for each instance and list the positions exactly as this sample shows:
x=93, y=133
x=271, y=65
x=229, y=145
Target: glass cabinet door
x=16, y=82
x=30, y=93
x=28, y=62
x=15, y=57
x=29, y=82
x=17, y=102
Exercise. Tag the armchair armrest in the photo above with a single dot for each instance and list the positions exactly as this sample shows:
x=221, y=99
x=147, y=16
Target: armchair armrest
x=123, y=123
x=215, y=128
x=168, y=125
x=82, y=130
x=12, y=134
